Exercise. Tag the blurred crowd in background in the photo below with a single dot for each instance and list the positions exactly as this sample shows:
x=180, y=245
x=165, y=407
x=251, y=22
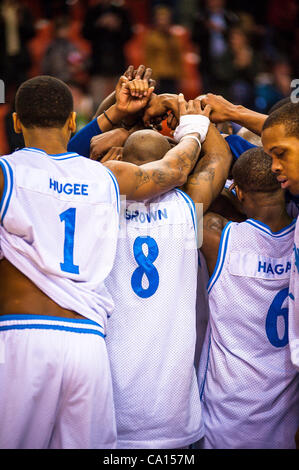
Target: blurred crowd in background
x=243, y=50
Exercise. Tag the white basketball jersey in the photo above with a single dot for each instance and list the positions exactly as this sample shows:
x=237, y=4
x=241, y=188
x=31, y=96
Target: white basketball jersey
x=248, y=385
x=59, y=226
x=202, y=306
x=294, y=301
x=151, y=334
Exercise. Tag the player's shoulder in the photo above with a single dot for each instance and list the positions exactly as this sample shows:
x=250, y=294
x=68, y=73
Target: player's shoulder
x=215, y=222
x=9, y=156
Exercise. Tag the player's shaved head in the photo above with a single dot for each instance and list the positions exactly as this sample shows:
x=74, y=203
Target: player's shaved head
x=252, y=172
x=145, y=146
x=43, y=102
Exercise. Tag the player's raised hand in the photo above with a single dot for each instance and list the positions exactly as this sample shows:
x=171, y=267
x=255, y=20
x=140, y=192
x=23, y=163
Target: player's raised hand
x=221, y=109
x=192, y=118
x=133, y=95
x=144, y=73
x=192, y=107
x=141, y=81
x=129, y=73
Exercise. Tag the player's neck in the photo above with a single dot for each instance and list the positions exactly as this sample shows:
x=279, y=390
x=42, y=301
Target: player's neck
x=274, y=216
x=52, y=141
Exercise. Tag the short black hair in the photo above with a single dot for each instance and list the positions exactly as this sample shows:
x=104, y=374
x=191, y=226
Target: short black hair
x=288, y=115
x=43, y=101
x=252, y=172
x=279, y=104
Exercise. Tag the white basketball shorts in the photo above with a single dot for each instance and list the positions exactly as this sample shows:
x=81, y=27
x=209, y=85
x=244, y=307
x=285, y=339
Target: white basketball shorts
x=55, y=384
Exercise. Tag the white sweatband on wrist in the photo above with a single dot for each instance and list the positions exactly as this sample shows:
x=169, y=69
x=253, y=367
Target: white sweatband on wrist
x=190, y=123
x=192, y=137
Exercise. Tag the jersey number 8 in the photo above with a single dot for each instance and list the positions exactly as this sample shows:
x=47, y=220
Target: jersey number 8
x=145, y=267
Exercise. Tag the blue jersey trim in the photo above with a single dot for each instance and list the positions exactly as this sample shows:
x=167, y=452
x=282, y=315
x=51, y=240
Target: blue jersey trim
x=191, y=206
x=62, y=154
x=57, y=156
x=65, y=158
x=28, y=316
x=221, y=256
x=33, y=149
x=291, y=296
x=206, y=369
x=116, y=186
x=8, y=185
x=264, y=228
x=51, y=327
x=5, y=185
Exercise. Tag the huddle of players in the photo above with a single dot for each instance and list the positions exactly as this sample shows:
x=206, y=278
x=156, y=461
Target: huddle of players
x=245, y=393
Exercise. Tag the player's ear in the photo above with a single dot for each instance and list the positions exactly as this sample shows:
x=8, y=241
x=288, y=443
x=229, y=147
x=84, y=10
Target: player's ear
x=16, y=123
x=72, y=122
x=239, y=193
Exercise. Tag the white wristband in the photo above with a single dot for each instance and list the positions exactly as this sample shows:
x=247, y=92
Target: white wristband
x=190, y=123
x=192, y=137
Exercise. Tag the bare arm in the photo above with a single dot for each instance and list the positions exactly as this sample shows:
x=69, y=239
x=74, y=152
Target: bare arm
x=213, y=224
x=211, y=171
x=223, y=110
x=105, y=104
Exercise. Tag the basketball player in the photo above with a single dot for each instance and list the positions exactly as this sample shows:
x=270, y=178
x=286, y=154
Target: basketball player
x=152, y=332
x=280, y=139
x=248, y=384
x=282, y=126
x=58, y=234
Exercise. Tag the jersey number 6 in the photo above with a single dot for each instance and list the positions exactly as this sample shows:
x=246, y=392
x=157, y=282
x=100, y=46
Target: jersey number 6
x=274, y=312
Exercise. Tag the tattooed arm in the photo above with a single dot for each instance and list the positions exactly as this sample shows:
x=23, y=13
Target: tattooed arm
x=213, y=224
x=146, y=181
x=208, y=178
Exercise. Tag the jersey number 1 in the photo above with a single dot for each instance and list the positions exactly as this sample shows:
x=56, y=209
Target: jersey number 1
x=69, y=218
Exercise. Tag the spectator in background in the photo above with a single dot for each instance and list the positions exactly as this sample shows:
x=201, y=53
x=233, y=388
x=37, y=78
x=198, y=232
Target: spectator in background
x=16, y=29
x=83, y=104
x=108, y=27
x=62, y=58
x=210, y=35
x=273, y=86
x=163, y=52
x=243, y=65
